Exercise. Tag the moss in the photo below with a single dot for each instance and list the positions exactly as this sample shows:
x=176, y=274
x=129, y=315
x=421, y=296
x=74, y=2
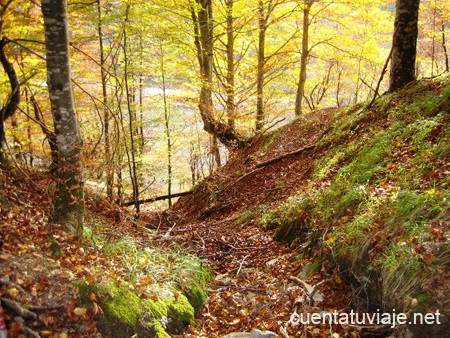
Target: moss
x=85, y=290
x=158, y=330
x=273, y=138
x=196, y=295
x=124, y=310
x=156, y=307
x=121, y=303
x=244, y=217
x=180, y=310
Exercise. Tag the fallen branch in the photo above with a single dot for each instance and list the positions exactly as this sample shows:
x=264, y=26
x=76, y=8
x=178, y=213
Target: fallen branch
x=241, y=264
x=45, y=307
x=29, y=332
x=7, y=282
x=158, y=198
x=18, y=308
x=310, y=290
x=279, y=158
x=292, y=153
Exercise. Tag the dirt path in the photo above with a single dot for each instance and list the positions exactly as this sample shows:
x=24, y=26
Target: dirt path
x=252, y=288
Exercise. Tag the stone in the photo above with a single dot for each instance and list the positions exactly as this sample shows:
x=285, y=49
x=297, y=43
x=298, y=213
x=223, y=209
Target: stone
x=254, y=334
x=270, y=264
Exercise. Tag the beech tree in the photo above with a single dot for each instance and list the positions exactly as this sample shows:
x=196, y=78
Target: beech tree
x=68, y=202
x=304, y=56
x=14, y=98
x=202, y=19
x=404, y=44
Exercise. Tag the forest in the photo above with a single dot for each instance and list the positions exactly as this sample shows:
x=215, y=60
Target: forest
x=151, y=149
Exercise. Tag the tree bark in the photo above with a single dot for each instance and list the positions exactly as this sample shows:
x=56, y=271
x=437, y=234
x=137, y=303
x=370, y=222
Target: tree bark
x=203, y=39
x=304, y=58
x=68, y=200
x=14, y=99
x=404, y=44
x=444, y=47
x=129, y=90
x=230, y=90
x=262, y=27
x=106, y=114
x=49, y=134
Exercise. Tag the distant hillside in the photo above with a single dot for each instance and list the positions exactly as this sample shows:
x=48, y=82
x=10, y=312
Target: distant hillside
x=364, y=191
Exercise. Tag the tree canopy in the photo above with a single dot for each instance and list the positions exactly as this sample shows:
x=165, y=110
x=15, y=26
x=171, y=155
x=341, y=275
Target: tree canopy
x=166, y=90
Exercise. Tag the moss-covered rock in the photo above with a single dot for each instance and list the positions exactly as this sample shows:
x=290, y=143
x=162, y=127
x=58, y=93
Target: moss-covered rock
x=196, y=295
x=126, y=314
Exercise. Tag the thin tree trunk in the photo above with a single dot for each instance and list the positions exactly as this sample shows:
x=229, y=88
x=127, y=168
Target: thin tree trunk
x=106, y=115
x=230, y=104
x=68, y=200
x=131, y=152
x=262, y=27
x=304, y=58
x=444, y=47
x=166, y=125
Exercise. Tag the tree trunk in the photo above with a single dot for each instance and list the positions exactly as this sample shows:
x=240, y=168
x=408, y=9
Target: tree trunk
x=304, y=58
x=203, y=39
x=262, y=26
x=444, y=47
x=14, y=99
x=166, y=124
x=68, y=200
x=230, y=104
x=106, y=114
x=404, y=44
x=132, y=149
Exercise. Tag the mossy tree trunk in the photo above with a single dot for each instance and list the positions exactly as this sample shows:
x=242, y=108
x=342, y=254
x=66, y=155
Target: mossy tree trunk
x=404, y=44
x=68, y=201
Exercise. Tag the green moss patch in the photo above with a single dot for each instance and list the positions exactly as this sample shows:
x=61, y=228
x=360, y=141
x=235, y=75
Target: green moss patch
x=125, y=313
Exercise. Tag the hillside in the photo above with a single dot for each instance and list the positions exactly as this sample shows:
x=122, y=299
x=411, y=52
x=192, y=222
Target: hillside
x=353, y=200
x=362, y=193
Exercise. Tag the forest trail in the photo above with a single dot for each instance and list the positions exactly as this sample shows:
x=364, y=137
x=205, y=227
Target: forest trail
x=252, y=287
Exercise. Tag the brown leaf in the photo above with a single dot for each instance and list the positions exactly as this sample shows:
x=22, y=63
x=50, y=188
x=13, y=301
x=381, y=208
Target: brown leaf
x=96, y=309
x=429, y=258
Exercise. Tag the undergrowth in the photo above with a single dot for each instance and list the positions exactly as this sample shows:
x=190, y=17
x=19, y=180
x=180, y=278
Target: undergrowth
x=382, y=179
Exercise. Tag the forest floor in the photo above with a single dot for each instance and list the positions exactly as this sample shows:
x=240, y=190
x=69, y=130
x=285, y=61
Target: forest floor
x=256, y=278
x=251, y=290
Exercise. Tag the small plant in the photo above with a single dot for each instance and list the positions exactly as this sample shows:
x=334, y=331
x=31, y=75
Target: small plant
x=272, y=139
x=400, y=269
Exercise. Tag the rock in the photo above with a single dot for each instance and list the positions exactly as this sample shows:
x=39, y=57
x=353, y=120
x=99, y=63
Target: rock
x=254, y=334
x=223, y=280
x=261, y=334
x=271, y=263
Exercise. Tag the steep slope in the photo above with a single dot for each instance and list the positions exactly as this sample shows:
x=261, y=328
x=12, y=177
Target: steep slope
x=363, y=193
